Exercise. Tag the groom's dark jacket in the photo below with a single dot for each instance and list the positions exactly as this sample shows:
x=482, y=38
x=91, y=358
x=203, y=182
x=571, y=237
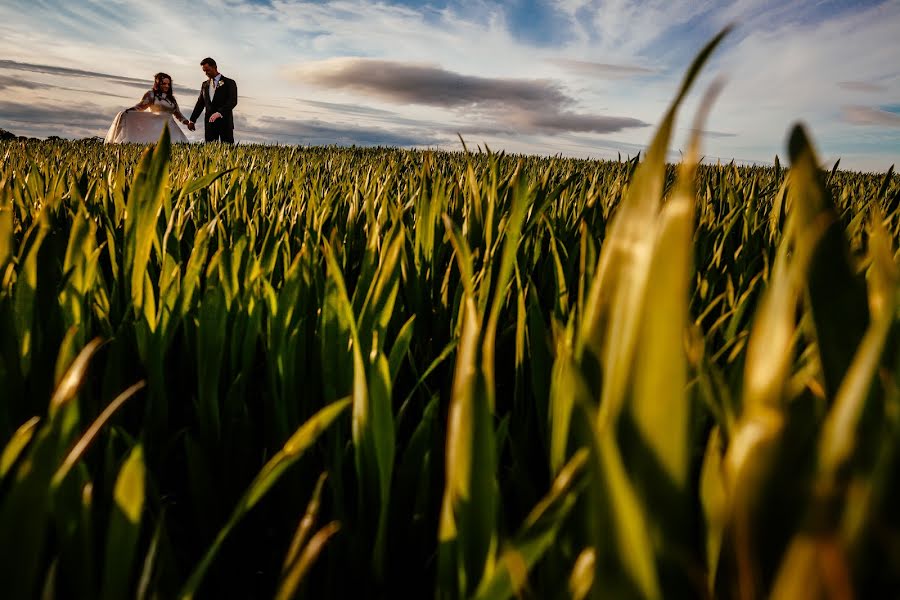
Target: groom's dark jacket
x=224, y=101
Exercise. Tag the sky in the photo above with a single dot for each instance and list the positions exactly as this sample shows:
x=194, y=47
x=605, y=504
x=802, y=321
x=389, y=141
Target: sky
x=581, y=78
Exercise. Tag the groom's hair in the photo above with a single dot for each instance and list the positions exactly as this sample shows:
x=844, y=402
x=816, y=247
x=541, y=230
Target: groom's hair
x=210, y=62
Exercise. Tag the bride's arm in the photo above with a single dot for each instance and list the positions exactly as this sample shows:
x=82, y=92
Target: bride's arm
x=145, y=102
x=177, y=114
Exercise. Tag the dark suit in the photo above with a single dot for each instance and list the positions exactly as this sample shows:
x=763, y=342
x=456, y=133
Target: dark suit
x=223, y=102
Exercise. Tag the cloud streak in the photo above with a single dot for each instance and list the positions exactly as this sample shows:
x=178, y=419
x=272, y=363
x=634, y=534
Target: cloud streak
x=409, y=83
x=15, y=82
x=90, y=77
x=861, y=86
x=540, y=122
x=867, y=115
x=602, y=70
x=529, y=105
x=45, y=120
x=714, y=134
x=315, y=133
x=67, y=72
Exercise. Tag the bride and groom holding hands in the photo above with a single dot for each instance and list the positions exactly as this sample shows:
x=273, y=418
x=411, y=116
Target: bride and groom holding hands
x=158, y=108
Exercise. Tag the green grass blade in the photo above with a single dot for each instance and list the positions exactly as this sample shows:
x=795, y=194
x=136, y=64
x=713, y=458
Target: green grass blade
x=837, y=296
x=6, y=235
x=91, y=433
x=204, y=181
x=144, y=204
x=467, y=533
x=304, y=528
x=124, y=527
x=401, y=347
x=300, y=567
x=293, y=450
x=841, y=431
x=536, y=535
x=16, y=444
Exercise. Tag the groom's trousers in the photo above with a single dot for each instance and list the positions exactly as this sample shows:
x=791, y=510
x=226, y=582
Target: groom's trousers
x=218, y=132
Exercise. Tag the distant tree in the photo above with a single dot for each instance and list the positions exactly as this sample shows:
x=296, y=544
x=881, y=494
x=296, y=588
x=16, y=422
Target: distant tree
x=6, y=135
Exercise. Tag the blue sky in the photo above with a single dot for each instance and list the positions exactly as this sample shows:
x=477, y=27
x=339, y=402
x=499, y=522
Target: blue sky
x=572, y=77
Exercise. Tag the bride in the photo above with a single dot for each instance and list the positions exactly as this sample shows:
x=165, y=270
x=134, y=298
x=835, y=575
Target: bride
x=136, y=126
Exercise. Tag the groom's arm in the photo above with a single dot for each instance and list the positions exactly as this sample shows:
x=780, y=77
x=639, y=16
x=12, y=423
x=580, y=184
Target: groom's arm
x=232, y=96
x=198, y=107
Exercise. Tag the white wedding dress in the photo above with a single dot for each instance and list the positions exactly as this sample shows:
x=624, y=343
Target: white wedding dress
x=143, y=123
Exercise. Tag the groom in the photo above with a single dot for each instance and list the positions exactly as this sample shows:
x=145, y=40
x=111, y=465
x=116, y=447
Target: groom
x=218, y=95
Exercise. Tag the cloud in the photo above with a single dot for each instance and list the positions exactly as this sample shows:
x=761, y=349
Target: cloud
x=537, y=122
x=804, y=60
x=67, y=72
x=357, y=114
x=14, y=82
x=866, y=115
x=529, y=105
x=551, y=124
x=624, y=28
x=36, y=113
x=91, y=77
x=350, y=109
x=602, y=70
x=715, y=134
x=409, y=83
x=8, y=82
x=44, y=120
x=861, y=86
x=316, y=133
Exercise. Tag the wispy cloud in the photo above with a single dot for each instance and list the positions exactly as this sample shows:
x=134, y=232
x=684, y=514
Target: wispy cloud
x=785, y=70
x=538, y=122
x=7, y=81
x=625, y=28
x=86, y=115
x=867, y=115
x=410, y=83
x=17, y=83
x=602, y=70
x=94, y=80
x=861, y=86
x=529, y=105
x=43, y=120
x=294, y=131
x=67, y=72
x=351, y=109
x=715, y=134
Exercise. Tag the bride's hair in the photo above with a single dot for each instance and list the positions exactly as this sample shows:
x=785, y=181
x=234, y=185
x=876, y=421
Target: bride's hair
x=157, y=86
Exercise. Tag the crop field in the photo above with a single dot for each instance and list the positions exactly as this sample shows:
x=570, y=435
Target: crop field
x=256, y=372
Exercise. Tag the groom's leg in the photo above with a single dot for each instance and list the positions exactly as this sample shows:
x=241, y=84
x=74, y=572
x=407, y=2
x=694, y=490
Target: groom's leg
x=228, y=135
x=209, y=132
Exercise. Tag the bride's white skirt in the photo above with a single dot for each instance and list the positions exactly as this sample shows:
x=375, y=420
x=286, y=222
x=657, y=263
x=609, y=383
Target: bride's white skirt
x=142, y=128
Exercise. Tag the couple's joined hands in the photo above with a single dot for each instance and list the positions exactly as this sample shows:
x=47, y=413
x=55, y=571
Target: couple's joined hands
x=212, y=119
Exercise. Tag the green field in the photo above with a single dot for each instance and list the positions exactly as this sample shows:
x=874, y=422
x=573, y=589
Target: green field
x=236, y=372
